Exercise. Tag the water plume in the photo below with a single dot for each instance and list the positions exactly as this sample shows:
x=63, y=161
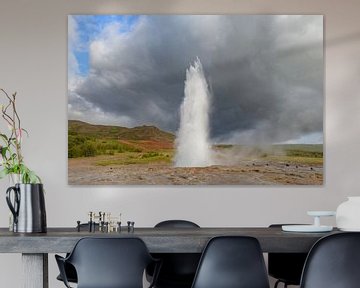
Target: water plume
x=193, y=148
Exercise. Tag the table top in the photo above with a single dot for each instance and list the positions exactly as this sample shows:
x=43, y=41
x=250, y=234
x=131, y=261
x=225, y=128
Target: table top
x=158, y=240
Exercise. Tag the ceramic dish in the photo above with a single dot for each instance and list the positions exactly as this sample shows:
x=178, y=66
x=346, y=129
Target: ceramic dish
x=306, y=228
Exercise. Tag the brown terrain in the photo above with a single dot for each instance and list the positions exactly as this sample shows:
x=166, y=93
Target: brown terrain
x=85, y=172
x=144, y=155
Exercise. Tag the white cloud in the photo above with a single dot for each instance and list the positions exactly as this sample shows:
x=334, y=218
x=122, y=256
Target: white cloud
x=73, y=39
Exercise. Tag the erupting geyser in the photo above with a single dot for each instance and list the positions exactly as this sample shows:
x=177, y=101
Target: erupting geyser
x=193, y=148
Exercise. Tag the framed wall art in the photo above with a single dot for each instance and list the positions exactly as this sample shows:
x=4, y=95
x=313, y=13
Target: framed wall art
x=195, y=99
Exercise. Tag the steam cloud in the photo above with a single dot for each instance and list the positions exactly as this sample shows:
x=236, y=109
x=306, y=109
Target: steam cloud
x=265, y=75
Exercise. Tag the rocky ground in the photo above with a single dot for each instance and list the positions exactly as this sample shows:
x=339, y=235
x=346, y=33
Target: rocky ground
x=84, y=171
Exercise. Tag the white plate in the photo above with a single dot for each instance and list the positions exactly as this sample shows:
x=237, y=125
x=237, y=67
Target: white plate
x=321, y=213
x=306, y=228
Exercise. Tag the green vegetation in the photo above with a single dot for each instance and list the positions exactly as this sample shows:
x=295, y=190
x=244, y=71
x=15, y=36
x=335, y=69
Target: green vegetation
x=301, y=147
x=137, y=158
x=117, y=132
x=86, y=140
x=301, y=153
x=223, y=146
x=296, y=160
x=81, y=146
x=301, y=150
x=307, y=154
x=147, y=145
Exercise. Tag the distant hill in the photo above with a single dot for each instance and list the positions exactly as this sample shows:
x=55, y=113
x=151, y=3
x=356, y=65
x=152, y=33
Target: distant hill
x=153, y=133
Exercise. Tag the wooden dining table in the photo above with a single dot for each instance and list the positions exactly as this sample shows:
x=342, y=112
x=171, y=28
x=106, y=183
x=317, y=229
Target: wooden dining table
x=35, y=247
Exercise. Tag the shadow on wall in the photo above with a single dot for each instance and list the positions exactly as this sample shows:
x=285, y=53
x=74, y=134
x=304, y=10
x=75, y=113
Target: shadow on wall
x=353, y=37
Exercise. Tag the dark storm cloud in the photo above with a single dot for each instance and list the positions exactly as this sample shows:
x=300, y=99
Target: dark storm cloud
x=265, y=74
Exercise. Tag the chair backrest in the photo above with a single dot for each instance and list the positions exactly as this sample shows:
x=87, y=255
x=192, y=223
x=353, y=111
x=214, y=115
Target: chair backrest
x=110, y=262
x=333, y=262
x=286, y=267
x=176, y=224
x=232, y=262
x=178, y=269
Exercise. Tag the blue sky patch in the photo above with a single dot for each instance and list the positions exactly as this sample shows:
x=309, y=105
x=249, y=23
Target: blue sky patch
x=89, y=28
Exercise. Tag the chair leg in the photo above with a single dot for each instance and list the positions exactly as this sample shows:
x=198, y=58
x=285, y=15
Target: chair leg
x=278, y=282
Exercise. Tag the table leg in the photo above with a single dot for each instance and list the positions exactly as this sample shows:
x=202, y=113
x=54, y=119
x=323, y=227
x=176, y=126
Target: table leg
x=35, y=270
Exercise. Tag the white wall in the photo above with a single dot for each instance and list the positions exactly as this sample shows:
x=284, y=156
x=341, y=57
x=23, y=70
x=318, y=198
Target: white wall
x=33, y=62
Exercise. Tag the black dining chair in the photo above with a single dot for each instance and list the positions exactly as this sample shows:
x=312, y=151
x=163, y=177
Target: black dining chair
x=70, y=271
x=232, y=262
x=108, y=263
x=333, y=262
x=286, y=267
x=178, y=269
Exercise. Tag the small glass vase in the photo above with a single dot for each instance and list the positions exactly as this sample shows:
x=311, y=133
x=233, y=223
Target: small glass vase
x=13, y=179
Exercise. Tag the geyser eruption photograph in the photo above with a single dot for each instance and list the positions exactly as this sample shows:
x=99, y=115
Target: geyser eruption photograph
x=195, y=100
x=193, y=148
